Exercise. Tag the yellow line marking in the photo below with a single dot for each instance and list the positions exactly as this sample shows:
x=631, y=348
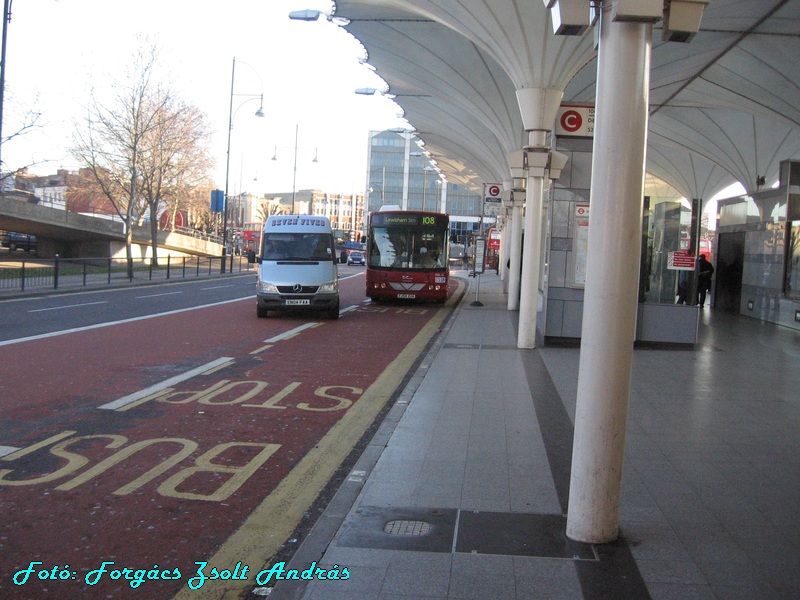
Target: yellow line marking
x=218, y=368
x=141, y=401
x=274, y=520
x=262, y=349
x=27, y=450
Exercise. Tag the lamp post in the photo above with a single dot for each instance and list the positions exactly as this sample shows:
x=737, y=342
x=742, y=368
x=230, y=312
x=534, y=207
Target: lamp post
x=294, y=168
x=258, y=113
x=425, y=171
x=430, y=166
x=6, y=20
x=370, y=188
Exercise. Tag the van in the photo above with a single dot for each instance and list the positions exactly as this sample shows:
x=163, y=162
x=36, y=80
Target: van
x=297, y=266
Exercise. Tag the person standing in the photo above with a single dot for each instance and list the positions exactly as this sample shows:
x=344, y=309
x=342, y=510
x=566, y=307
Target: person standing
x=704, y=272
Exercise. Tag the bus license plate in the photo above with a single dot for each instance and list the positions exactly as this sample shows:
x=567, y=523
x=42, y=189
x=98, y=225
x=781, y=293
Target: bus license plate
x=407, y=296
x=305, y=302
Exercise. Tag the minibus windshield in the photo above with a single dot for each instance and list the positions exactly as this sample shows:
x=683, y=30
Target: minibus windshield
x=298, y=247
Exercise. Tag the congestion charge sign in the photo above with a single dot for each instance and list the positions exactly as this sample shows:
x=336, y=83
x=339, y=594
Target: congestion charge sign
x=575, y=121
x=492, y=202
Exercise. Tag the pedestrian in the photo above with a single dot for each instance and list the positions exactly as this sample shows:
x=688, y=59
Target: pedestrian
x=704, y=272
x=685, y=286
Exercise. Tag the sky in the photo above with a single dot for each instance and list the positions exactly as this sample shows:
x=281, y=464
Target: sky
x=59, y=50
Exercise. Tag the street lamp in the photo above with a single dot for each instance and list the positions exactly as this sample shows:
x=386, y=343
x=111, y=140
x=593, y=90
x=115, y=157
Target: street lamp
x=6, y=20
x=294, y=173
x=310, y=14
x=371, y=189
x=425, y=171
x=430, y=166
x=258, y=113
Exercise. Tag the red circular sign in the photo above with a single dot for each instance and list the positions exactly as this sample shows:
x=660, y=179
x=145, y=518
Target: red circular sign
x=571, y=121
x=494, y=191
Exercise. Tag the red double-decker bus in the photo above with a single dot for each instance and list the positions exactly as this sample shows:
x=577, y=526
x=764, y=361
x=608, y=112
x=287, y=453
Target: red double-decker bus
x=407, y=255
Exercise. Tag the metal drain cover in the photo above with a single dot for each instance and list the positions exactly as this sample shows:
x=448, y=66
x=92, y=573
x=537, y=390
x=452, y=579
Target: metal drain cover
x=401, y=527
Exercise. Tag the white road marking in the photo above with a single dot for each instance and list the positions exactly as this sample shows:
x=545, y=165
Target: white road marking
x=68, y=306
x=290, y=334
x=6, y=450
x=158, y=295
x=131, y=398
x=43, y=336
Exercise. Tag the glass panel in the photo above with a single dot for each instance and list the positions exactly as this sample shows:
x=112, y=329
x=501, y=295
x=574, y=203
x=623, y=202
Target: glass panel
x=663, y=238
x=792, y=285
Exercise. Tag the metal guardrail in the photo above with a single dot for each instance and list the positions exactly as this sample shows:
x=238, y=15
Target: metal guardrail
x=196, y=233
x=71, y=273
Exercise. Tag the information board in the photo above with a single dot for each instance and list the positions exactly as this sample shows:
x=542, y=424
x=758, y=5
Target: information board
x=479, y=248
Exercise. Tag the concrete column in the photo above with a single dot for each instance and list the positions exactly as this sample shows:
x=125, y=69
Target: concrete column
x=531, y=254
x=502, y=222
x=612, y=278
x=538, y=108
x=515, y=252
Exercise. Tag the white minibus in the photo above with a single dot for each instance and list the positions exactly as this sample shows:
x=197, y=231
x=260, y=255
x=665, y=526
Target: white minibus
x=297, y=266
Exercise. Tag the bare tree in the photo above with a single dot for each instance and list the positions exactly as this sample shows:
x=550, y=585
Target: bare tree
x=20, y=126
x=142, y=149
x=193, y=201
x=174, y=159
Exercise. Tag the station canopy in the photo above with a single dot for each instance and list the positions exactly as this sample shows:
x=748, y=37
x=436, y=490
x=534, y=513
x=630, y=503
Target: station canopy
x=724, y=107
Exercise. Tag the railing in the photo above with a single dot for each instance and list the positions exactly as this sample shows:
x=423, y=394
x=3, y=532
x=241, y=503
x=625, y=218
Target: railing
x=196, y=233
x=71, y=273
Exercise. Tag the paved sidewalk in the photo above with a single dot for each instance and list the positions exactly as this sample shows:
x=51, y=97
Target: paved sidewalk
x=463, y=491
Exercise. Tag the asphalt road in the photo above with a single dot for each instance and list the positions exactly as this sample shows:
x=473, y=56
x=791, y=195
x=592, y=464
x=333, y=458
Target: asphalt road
x=151, y=432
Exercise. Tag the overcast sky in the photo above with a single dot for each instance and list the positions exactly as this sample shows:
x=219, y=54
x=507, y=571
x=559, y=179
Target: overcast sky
x=57, y=50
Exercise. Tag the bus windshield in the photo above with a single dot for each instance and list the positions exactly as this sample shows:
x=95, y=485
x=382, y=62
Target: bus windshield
x=403, y=247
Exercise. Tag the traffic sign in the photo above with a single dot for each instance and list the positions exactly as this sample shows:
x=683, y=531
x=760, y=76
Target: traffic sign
x=492, y=202
x=575, y=121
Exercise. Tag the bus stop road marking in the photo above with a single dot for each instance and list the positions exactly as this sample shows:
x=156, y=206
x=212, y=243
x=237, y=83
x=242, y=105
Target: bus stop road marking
x=274, y=520
x=158, y=387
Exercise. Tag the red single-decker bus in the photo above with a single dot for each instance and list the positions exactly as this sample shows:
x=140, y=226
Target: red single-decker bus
x=407, y=255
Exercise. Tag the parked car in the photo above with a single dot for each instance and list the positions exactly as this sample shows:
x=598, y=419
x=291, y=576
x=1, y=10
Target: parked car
x=356, y=258
x=13, y=240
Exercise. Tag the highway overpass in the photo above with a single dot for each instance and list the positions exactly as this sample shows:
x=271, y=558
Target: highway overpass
x=76, y=235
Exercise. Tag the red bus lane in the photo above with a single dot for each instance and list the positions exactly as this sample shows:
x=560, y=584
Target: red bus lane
x=133, y=452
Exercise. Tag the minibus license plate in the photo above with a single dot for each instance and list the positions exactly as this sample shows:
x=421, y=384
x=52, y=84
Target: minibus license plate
x=304, y=302
x=407, y=296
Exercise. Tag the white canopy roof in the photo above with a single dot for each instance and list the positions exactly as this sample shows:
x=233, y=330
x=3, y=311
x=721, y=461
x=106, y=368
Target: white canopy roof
x=724, y=107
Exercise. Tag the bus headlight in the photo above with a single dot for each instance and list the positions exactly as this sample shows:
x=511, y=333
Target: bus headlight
x=329, y=288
